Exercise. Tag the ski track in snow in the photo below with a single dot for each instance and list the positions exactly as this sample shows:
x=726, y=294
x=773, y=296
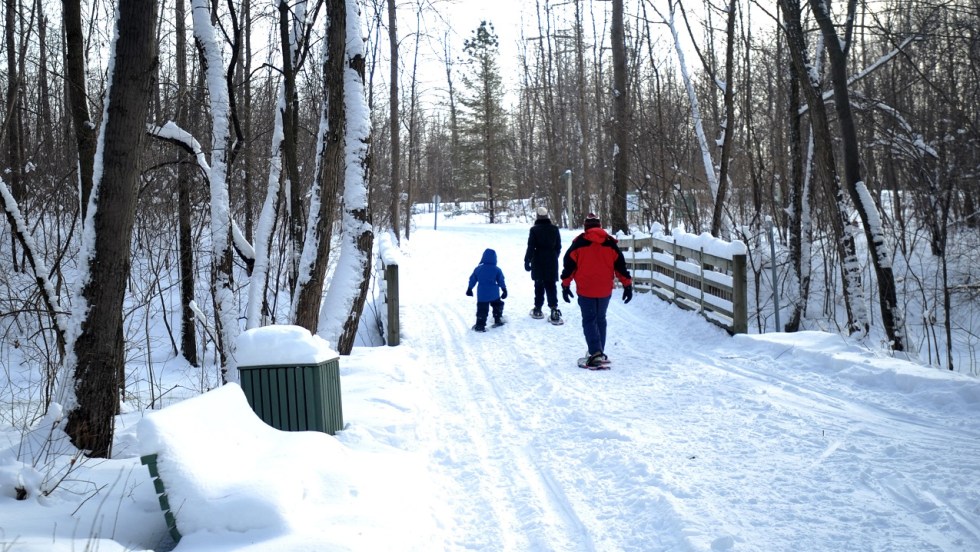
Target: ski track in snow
x=673, y=449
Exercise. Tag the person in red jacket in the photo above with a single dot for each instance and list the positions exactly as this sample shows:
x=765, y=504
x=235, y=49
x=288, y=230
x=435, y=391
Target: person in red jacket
x=592, y=261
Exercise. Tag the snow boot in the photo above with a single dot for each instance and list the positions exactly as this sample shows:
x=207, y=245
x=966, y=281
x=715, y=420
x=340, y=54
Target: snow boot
x=555, y=317
x=479, y=328
x=498, y=322
x=536, y=313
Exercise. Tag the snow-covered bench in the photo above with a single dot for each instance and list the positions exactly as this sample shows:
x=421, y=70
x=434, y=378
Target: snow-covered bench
x=216, y=464
x=219, y=469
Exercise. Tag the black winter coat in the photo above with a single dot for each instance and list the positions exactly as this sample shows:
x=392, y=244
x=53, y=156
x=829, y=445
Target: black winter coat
x=543, y=248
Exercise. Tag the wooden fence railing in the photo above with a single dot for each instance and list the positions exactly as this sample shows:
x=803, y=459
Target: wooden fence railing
x=712, y=283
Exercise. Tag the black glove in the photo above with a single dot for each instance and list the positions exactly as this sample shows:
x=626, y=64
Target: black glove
x=469, y=292
x=627, y=293
x=566, y=294
x=527, y=266
x=503, y=293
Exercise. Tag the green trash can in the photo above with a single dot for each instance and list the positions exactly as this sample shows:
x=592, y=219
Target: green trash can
x=303, y=397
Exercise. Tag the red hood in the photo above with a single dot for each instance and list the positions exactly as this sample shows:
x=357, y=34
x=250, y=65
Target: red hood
x=597, y=235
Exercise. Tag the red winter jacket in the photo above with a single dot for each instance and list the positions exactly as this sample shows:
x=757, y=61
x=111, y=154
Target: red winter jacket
x=592, y=261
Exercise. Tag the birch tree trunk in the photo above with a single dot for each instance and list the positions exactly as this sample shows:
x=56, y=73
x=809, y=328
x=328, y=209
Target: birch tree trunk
x=709, y=169
x=98, y=350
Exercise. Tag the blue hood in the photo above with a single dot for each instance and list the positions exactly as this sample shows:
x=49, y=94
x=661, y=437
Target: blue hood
x=489, y=257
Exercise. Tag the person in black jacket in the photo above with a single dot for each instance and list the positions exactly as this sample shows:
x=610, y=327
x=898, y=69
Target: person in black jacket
x=541, y=260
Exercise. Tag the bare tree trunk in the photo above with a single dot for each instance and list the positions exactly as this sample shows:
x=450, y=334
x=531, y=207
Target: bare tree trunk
x=729, y=125
x=797, y=232
x=598, y=85
x=621, y=128
x=13, y=117
x=185, y=240
x=395, y=125
x=331, y=177
x=754, y=143
x=584, y=135
x=78, y=97
x=453, y=123
x=43, y=86
x=290, y=130
x=357, y=219
x=248, y=172
x=413, y=135
x=826, y=171
x=98, y=350
x=891, y=317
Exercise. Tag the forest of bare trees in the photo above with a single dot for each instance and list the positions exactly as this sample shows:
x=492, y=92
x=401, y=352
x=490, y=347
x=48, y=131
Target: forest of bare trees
x=854, y=127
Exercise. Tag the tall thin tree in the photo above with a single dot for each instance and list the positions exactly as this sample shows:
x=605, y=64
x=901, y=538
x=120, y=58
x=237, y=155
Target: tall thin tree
x=76, y=79
x=394, y=124
x=185, y=240
x=891, y=316
x=825, y=168
x=621, y=117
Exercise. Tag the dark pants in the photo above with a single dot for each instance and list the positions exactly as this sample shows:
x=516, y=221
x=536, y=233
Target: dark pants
x=483, y=307
x=594, y=322
x=542, y=287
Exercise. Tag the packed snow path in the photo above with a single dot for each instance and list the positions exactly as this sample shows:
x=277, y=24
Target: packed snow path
x=693, y=441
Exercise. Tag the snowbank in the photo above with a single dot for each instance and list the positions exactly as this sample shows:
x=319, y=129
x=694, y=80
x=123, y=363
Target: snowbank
x=831, y=353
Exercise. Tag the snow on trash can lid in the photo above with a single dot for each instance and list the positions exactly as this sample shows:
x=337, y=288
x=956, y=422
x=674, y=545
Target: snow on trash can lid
x=282, y=344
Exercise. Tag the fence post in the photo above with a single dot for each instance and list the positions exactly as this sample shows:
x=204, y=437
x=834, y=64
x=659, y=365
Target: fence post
x=391, y=293
x=740, y=296
x=673, y=256
x=701, y=265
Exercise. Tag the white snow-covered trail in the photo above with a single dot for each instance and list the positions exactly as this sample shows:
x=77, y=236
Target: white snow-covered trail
x=693, y=441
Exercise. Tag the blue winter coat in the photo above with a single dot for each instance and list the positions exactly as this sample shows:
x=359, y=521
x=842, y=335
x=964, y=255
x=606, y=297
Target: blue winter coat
x=488, y=278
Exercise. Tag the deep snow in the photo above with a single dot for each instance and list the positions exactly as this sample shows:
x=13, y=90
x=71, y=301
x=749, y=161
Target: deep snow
x=455, y=440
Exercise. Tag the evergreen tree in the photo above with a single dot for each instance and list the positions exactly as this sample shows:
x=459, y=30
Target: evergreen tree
x=483, y=130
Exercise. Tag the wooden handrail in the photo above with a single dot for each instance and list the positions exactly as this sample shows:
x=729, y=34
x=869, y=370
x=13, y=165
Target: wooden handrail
x=692, y=279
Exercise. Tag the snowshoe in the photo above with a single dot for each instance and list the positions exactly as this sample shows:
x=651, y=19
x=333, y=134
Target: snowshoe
x=497, y=322
x=479, y=328
x=595, y=361
x=537, y=314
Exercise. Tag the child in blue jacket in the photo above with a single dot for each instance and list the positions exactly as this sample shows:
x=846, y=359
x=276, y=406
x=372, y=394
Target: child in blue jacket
x=490, y=291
